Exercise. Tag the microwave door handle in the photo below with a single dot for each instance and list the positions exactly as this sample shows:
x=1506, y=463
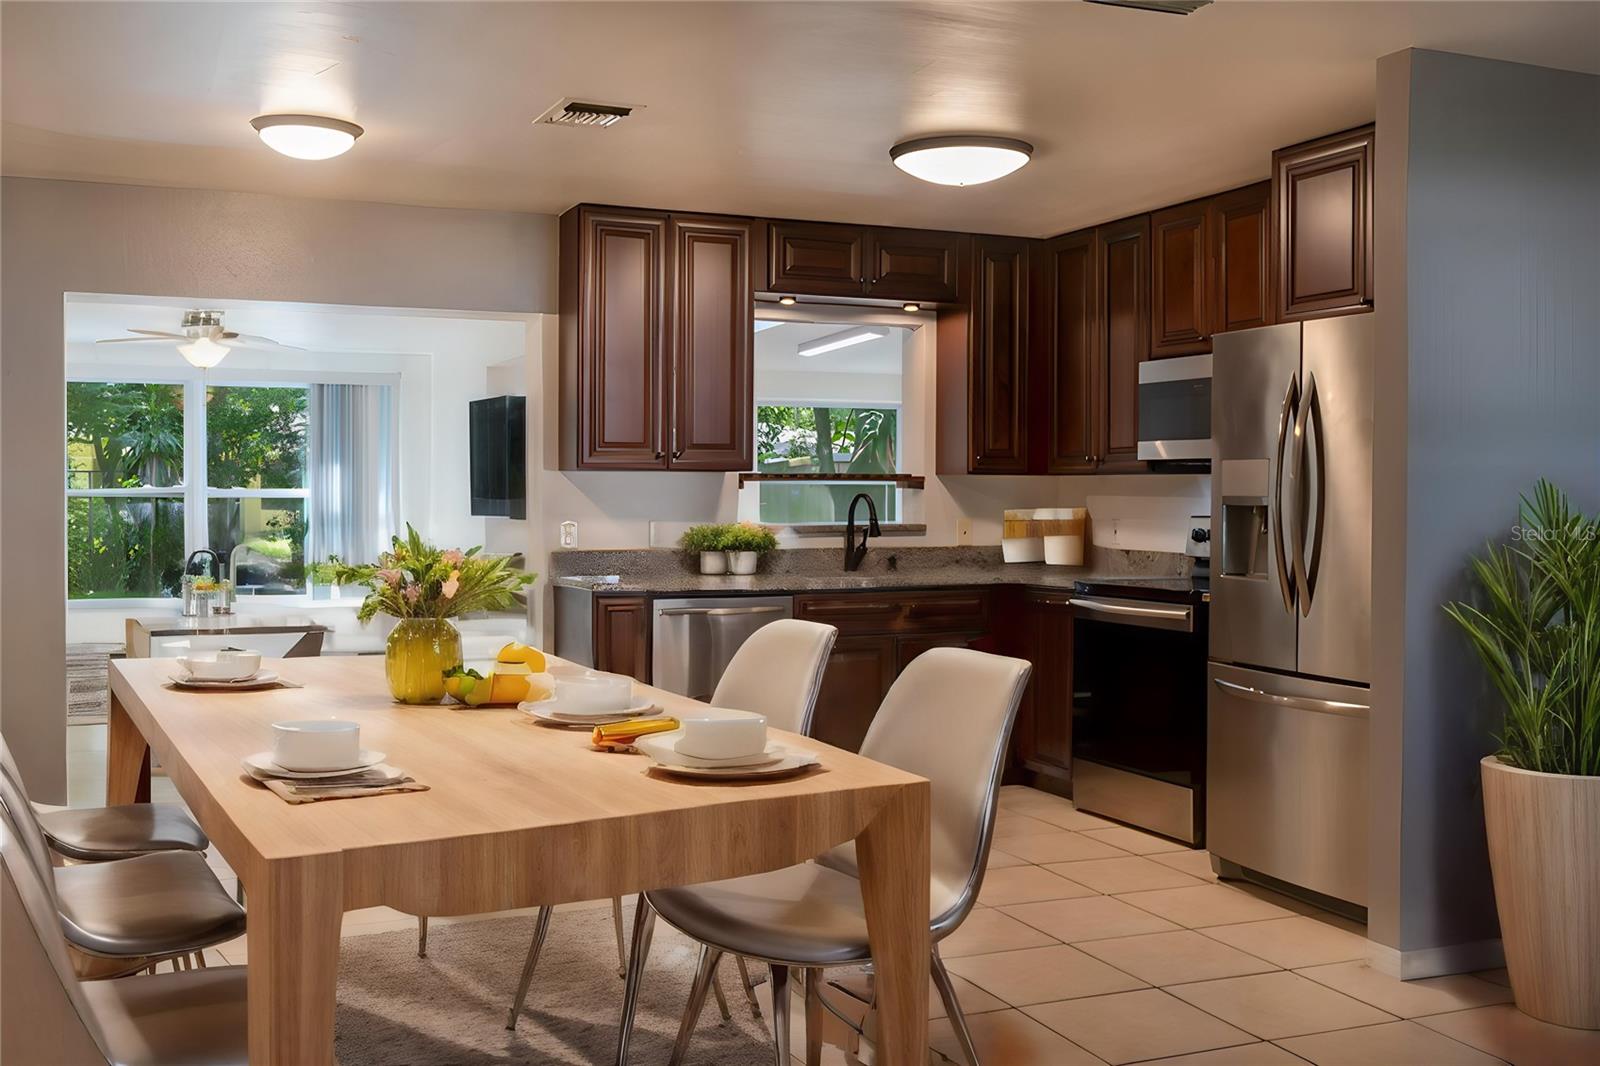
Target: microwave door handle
x=1297, y=516
x=1286, y=417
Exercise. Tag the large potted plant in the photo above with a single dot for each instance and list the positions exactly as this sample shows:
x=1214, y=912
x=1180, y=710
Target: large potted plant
x=424, y=587
x=1537, y=629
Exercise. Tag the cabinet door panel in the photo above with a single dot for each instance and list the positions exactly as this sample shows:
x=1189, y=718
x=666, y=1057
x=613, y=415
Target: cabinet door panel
x=817, y=259
x=622, y=342
x=622, y=636
x=1322, y=194
x=857, y=676
x=1125, y=327
x=1179, y=310
x=1045, y=741
x=998, y=426
x=913, y=265
x=713, y=331
x=1240, y=258
x=1072, y=361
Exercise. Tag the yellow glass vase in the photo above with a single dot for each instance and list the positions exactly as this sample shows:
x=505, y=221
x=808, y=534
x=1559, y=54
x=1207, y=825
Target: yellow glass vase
x=419, y=651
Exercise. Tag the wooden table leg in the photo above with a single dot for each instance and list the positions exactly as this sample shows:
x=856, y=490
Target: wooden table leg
x=296, y=906
x=127, y=759
x=893, y=851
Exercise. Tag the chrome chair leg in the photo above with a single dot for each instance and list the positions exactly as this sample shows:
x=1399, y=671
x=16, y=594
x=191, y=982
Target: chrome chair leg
x=952, y=1008
x=541, y=926
x=748, y=985
x=780, y=1013
x=644, y=923
x=422, y=936
x=813, y=1016
x=616, y=923
x=705, y=978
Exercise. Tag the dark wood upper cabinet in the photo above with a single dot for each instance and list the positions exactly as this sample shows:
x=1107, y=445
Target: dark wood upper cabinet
x=1067, y=352
x=982, y=377
x=713, y=331
x=1241, y=258
x=914, y=265
x=1179, y=281
x=614, y=368
x=1322, y=225
x=1123, y=259
x=816, y=259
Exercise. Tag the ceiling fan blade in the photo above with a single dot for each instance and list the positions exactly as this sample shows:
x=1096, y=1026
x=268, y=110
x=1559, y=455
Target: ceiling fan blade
x=142, y=340
x=163, y=334
x=250, y=340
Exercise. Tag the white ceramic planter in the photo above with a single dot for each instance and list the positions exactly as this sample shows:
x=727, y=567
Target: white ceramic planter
x=1544, y=851
x=714, y=562
x=742, y=562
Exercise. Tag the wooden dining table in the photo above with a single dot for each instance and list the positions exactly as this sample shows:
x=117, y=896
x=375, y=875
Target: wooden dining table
x=516, y=814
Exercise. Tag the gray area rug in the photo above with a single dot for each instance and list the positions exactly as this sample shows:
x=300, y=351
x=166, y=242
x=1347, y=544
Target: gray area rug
x=395, y=1008
x=88, y=683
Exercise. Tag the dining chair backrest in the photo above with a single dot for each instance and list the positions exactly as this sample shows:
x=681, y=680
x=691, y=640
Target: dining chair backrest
x=777, y=671
x=14, y=798
x=47, y=1010
x=948, y=718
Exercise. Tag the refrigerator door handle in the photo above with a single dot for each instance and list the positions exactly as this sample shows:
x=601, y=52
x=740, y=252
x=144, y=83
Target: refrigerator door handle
x=1299, y=703
x=1286, y=418
x=1297, y=515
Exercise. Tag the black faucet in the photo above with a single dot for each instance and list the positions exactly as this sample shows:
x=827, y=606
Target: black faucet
x=192, y=567
x=853, y=552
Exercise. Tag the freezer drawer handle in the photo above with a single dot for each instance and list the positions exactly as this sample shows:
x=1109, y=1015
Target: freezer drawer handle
x=1300, y=703
x=720, y=612
x=1182, y=615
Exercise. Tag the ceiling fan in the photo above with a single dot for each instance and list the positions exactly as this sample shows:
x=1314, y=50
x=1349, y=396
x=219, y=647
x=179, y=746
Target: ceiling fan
x=204, y=342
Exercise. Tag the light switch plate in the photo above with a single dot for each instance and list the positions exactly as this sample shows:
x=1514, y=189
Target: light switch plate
x=569, y=534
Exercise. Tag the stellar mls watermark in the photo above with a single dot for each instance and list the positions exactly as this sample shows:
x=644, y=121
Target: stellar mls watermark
x=1521, y=533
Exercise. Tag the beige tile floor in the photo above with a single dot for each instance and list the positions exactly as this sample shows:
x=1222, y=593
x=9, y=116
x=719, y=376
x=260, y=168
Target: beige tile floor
x=1094, y=943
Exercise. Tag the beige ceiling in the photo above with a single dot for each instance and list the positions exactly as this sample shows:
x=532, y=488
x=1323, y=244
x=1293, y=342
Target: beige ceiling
x=760, y=108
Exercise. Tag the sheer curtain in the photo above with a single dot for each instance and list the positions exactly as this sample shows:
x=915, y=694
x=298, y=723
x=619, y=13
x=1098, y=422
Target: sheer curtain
x=354, y=471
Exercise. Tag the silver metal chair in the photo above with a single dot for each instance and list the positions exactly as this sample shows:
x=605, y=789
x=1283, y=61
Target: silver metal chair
x=171, y=1019
x=777, y=673
x=948, y=718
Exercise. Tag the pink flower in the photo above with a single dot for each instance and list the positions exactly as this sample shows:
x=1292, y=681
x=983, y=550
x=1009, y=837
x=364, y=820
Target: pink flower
x=449, y=587
x=412, y=593
x=390, y=577
x=452, y=557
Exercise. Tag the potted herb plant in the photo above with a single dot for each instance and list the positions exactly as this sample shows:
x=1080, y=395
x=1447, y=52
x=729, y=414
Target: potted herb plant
x=1537, y=629
x=706, y=541
x=424, y=587
x=746, y=543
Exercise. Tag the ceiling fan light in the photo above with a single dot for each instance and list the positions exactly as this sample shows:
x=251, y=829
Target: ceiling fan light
x=203, y=352
x=961, y=159
x=306, y=136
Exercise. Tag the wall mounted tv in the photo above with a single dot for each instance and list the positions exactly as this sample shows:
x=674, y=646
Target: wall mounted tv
x=499, y=456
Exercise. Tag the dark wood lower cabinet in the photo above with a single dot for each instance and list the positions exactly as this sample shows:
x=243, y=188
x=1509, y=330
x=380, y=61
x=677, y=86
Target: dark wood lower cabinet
x=859, y=672
x=622, y=635
x=1042, y=740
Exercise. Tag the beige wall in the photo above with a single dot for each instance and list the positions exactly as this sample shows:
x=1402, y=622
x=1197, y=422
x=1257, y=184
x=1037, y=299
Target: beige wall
x=58, y=237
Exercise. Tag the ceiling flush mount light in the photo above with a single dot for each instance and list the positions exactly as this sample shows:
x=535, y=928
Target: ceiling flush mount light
x=961, y=159
x=844, y=339
x=307, y=136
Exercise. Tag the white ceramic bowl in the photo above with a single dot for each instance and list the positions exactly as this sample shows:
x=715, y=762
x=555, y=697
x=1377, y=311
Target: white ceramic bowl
x=223, y=666
x=722, y=737
x=319, y=744
x=593, y=692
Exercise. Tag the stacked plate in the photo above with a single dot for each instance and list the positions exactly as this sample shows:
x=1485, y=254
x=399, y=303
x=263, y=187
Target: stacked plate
x=587, y=698
x=553, y=711
x=774, y=760
x=369, y=764
x=230, y=668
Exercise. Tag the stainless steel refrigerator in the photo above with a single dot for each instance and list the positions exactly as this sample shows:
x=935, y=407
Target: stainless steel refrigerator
x=1291, y=605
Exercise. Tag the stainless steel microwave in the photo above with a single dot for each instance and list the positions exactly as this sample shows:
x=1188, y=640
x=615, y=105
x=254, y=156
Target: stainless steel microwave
x=1175, y=412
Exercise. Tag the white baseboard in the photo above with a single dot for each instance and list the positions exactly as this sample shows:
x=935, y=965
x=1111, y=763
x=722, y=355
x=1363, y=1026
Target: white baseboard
x=1435, y=962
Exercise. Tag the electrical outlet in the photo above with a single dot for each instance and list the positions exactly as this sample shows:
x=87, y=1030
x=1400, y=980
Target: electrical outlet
x=963, y=531
x=569, y=534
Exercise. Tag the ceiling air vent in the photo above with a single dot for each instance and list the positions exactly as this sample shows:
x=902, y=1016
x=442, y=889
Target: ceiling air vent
x=570, y=112
x=1169, y=7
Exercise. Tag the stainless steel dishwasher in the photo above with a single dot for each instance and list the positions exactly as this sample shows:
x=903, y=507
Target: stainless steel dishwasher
x=694, y=639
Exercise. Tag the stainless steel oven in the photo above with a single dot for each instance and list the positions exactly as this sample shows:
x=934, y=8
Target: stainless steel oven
x=1139, y=711
x=1175, y=412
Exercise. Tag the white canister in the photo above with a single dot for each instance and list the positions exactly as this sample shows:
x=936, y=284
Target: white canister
x=1066, y=548
x=1028, y=547
x=713, y=562
x=742, y=562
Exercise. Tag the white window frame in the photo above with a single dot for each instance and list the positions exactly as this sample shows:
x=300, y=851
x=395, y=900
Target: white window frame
x=194, y=488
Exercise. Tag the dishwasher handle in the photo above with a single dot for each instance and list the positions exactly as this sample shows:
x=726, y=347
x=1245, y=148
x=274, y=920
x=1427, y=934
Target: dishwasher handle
x=719, y=612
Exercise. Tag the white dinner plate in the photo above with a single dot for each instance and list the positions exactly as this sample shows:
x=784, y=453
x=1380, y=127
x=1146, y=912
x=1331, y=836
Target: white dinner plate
x=792, y=763
x=261, y=765
x=550, y=710
x=263, y=679
x=662, y=748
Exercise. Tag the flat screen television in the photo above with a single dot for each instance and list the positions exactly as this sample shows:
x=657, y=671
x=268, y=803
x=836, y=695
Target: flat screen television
x=499, y=456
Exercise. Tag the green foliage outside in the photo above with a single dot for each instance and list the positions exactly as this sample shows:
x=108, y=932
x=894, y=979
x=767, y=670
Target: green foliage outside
x=823, y=440
x=1536, y=627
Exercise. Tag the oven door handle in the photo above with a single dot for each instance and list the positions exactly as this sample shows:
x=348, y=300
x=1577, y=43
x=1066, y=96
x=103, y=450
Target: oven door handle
x=1139, y=614
x=1299, y=703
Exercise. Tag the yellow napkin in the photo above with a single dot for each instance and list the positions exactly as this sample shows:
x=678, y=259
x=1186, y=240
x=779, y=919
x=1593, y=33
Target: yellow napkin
x=619, y=736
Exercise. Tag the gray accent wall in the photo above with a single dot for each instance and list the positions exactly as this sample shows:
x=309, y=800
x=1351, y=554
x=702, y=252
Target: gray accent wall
x=1488, y=295
x=64, y=237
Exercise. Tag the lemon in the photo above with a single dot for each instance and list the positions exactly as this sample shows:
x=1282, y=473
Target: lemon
x=529, y=659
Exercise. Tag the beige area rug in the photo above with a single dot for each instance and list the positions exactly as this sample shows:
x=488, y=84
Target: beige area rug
x=450, y=1008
